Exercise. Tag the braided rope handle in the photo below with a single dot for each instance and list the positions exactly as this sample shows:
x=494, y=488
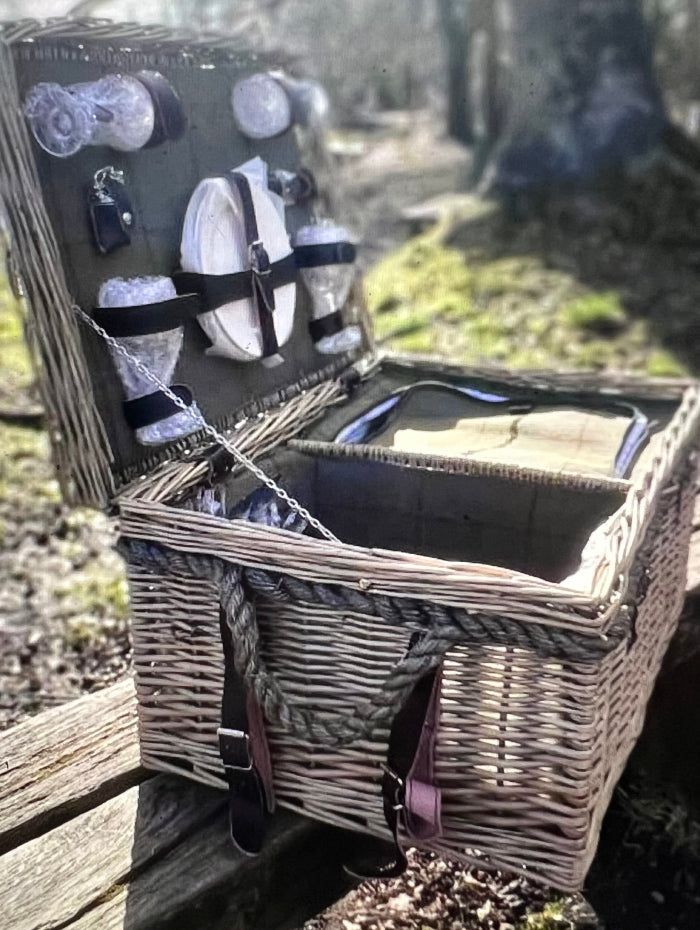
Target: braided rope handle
x=322, y=728
x=442, y=629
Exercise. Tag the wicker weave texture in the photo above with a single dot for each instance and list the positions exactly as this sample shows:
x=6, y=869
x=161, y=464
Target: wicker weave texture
x=528, y=751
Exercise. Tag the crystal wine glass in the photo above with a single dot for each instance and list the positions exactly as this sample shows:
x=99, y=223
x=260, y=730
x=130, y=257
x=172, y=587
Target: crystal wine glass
x=329, y=285
x=116, y=110
x=159, y=353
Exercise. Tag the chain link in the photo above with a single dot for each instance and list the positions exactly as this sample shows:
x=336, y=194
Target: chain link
x=239, y=456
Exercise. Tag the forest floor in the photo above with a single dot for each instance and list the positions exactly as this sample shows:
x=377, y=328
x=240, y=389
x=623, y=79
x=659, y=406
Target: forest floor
x=587, y=283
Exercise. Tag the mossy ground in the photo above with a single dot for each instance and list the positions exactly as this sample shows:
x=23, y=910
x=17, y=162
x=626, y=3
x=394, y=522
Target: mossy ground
x=478, y=290
x=63, y=597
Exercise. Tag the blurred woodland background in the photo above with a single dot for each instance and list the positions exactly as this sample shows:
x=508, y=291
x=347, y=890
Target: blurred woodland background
x=525, y=177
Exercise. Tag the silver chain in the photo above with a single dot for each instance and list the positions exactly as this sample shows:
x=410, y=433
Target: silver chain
x=239, y=456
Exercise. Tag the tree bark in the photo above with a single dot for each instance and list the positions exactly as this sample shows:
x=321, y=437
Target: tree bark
x=454, y=22
x=582, y=98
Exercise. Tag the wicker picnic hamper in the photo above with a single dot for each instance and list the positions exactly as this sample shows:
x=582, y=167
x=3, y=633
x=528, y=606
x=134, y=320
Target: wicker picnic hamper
x=536, y=600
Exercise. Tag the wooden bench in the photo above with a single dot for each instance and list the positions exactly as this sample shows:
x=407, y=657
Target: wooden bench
x=91, y=841
x=88, y=839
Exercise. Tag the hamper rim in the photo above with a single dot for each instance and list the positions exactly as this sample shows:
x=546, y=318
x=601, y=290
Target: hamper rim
x=181, y=41
x=462, y=465
x=378, y=571
x=456, y=583
x=608, y=382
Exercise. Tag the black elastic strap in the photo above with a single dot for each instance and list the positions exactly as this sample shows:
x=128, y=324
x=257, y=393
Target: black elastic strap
x=260, y=265
x=331, y=253
x=246, y=793
x=326, y=326
x=146, y=319
x=387, y=859
x=215, y=290
x=169, y=121
x=152, y=408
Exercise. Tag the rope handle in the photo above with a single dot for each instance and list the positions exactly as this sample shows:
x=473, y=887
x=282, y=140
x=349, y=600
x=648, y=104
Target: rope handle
x=442, y=628
x=328, y=729
x=202, y=424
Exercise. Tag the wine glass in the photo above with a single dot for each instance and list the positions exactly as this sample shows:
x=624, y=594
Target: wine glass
x=116, y=110
x=158, y=352
x=329, y=286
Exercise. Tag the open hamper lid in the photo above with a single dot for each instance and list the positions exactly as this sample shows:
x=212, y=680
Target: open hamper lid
x=61, y=256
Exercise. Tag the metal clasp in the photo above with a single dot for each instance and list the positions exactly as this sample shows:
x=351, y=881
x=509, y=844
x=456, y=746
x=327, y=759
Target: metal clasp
x=259, y=259
x=398, y=802
x=229, y=741
x=100, y=179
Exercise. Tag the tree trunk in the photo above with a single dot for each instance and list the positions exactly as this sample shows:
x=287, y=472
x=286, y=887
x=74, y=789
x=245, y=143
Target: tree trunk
x=582, y=98
x=454, y=20
x=694, y=45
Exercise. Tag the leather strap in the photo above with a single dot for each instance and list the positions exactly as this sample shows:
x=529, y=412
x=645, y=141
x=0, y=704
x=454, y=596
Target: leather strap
x=326, y=326
x=407, y=740
x=169, y=122
x=146, y=319
x=423, y=811
x=215, y=290
x=152, y=408
x=331, y=253
x=260, y=265
x=241, y=756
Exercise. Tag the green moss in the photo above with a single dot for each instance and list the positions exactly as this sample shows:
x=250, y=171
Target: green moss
x=600, y=313
x=420, y=286
x=472, y=306
x=16, y=362
x=661, y=364
x=25, y=469
x=551, y=917
x=80, y=633
x=97, y=592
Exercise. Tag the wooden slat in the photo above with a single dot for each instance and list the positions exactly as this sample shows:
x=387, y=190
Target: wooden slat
x=203, y=883
x=161, y=851
x=50, y=881
x=67, y=760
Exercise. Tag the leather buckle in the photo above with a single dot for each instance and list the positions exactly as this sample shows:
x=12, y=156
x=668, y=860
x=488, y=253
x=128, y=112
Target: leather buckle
x=234, y=748
x=259, y=259
x=394, y=783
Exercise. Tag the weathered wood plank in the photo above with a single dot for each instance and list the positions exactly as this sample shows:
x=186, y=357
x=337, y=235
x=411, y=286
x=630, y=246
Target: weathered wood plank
x=203, y=883
x=52, y=880
x=67, y=760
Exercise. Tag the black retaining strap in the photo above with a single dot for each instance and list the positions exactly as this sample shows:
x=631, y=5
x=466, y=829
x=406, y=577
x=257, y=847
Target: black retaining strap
x=200, y=293
x=331, y=253
x=152, y=408
x=169, y=122
x=246, y=793
x=327, y=326
x=260, y=265
x=146, y=319
x=215, y=290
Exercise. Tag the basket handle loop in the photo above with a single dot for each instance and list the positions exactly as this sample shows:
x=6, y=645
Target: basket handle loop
x=326, y=729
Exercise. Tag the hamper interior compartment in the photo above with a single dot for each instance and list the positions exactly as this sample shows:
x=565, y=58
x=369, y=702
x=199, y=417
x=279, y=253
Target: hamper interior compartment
x=427, y=412
x=535, y=527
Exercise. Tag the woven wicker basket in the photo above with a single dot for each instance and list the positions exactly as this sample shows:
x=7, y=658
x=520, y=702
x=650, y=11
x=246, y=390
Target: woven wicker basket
x=544, y=683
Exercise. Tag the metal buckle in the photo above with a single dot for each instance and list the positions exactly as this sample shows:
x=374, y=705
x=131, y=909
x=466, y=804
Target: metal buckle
x=259, y=259
x=224, y=735
x=399, y=787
